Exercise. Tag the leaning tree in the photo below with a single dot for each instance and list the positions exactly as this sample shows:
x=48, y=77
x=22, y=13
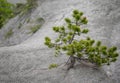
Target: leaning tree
x=78, y=49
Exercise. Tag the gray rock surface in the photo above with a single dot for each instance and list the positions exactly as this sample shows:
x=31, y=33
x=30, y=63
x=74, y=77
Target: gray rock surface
x=28, y=62
x=21, y=25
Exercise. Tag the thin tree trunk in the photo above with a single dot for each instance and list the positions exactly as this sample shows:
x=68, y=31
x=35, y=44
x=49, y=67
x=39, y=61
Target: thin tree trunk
x=71, y=62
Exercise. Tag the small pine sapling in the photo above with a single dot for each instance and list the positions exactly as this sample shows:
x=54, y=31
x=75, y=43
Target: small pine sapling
x=53, y=66
x=80, y=49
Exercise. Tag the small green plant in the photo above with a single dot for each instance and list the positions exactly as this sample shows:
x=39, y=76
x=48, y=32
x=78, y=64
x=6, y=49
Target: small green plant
x=53, y=66
x=40, y=19
x=6, y=12
x=9, y=34
x=35, y=29
x=28, y=20
x=20, y=25
x=18, y=8
x=80, y=49
x=25, y=8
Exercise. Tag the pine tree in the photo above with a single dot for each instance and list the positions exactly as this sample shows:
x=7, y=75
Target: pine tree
x=80, y=49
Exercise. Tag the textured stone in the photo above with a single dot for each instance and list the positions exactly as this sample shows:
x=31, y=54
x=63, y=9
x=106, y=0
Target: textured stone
x=28, y=62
